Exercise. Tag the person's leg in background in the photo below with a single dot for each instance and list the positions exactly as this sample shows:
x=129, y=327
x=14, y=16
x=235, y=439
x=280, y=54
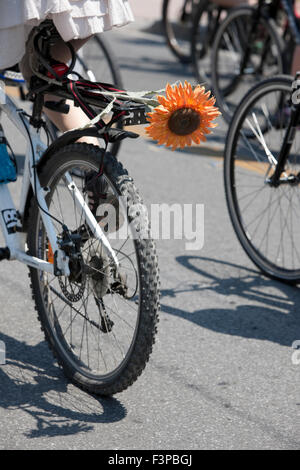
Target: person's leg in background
x=296, y=57
x=296, y=61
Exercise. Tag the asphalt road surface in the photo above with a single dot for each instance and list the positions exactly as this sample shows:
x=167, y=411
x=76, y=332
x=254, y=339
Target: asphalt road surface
x=221, y=374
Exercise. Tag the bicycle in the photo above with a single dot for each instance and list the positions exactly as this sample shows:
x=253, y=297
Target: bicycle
x=262, y=176
x=99, y=64
x=249, y=48
x=96, y=292
x=177, y=18
x=95, y=61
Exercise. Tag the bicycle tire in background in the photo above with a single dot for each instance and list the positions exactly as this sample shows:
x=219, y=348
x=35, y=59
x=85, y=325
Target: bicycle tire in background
x=228, y=85
x=265, y=217
x=205, y=21
x=177, y=32
x=94, y=51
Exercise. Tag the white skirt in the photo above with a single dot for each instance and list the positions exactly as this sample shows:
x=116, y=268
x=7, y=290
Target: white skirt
x=73, y=19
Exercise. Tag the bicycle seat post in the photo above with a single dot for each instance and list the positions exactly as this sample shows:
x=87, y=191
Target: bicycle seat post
x=43, y=36
x=38, y=103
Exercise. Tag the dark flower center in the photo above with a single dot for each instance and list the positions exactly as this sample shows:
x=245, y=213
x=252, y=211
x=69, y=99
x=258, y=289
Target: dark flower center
x=184, y=121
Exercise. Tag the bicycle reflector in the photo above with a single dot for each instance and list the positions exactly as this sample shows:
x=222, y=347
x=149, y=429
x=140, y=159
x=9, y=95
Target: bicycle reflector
x=60, y=70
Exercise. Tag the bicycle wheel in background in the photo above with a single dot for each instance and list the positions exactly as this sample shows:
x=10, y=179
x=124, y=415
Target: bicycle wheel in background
x=97, y=62
x=231, y=79
x=265, y=218
x=205, y=24
x=100, y=322
x=177, y=24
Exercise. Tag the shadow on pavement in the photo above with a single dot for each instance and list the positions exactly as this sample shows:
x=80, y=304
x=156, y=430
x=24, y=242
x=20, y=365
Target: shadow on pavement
x=260, y=308
x=154, y=66
x=30, y=381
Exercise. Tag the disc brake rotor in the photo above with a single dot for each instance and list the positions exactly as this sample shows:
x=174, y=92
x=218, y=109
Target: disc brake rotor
x=73, y=287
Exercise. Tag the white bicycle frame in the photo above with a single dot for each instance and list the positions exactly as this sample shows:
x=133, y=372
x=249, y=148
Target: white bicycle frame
x=10, y=218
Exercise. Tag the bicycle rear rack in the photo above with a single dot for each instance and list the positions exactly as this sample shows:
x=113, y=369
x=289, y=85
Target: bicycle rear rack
x=94, y=95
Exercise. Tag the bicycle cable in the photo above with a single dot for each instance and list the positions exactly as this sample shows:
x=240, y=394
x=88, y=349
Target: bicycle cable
x=21, y=112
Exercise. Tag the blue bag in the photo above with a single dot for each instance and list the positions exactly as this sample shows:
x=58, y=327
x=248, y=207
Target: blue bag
x=8, y=167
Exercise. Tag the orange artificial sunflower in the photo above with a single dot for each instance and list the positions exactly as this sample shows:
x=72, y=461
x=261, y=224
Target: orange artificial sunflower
x=184, y=116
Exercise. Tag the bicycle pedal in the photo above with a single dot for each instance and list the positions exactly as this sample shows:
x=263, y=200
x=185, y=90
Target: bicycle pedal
x=4, y=253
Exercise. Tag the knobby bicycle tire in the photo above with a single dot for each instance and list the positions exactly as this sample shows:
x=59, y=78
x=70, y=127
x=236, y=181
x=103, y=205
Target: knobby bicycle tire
x=100, y=373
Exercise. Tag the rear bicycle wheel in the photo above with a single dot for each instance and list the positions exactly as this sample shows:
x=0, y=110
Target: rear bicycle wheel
x=266, y=219
x=100, y=322
x=265, y=59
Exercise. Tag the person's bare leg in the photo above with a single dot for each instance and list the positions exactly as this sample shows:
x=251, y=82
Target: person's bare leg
x=296, y=61
x=66, y=122
x=75, y=117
